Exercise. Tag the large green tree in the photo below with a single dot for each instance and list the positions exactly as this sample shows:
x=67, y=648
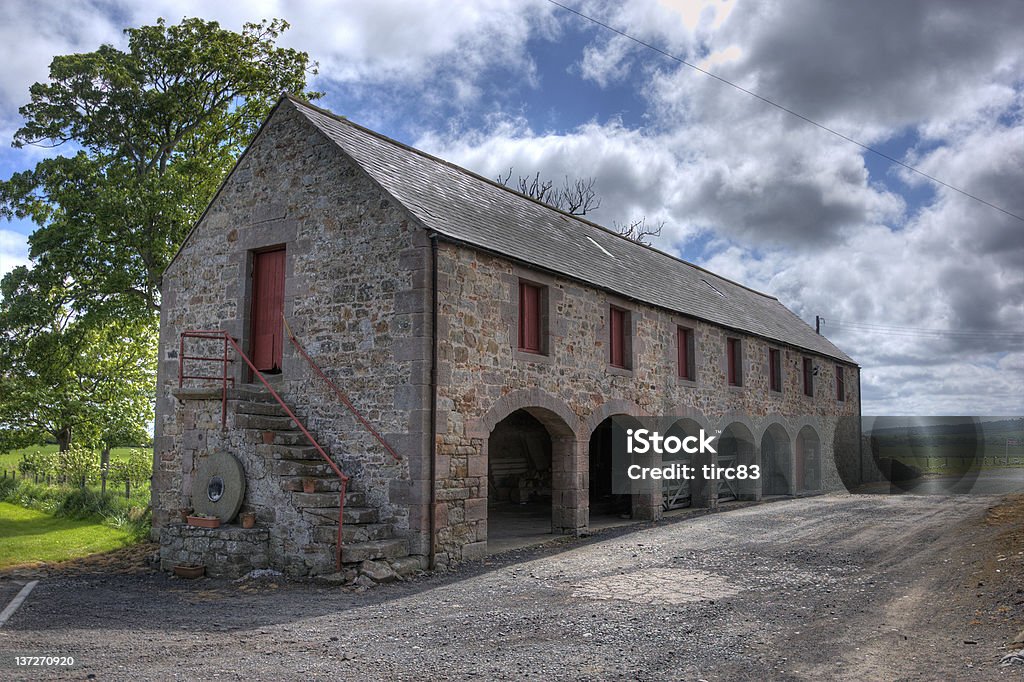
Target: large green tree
x=154, y=130
x=66, y=377
x=150, y=131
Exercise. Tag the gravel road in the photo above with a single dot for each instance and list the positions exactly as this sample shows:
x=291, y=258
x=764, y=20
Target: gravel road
x=838, y=586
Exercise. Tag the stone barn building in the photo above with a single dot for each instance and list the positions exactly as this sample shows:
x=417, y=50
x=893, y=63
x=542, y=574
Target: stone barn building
x=483, y=342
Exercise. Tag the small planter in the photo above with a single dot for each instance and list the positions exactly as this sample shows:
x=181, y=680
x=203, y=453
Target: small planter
x=248, y=519
x=190, y=572
x=268, y=437
x=308, y=485
x=204, y=521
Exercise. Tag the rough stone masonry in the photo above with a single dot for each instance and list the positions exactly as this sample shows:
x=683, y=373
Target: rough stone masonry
x=403, y=277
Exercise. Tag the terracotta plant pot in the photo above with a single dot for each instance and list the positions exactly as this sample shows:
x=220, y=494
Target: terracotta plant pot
x=308, y=485
x=268, y=437
x=185, y=571
x=185, y=512
x=204, y=522
x=248, y=519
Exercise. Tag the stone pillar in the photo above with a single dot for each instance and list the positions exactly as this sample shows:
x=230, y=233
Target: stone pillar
x=570, y=512
x=703, y=493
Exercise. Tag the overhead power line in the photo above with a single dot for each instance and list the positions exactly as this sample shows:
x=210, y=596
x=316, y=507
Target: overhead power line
x=927, y=332
x=788, y=111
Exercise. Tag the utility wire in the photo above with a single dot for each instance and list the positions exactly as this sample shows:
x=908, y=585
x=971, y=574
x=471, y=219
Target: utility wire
x=787, y=110
x=924, y=332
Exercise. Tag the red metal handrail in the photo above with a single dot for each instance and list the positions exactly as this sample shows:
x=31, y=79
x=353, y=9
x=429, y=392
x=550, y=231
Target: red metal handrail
x=219, y=334
x=338, y=392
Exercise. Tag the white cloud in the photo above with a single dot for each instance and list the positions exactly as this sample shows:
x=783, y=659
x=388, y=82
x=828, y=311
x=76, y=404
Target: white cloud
x=13, y=251
x=793, y=210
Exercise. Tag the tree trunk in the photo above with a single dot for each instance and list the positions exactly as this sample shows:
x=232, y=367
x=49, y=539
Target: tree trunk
x=64, y=438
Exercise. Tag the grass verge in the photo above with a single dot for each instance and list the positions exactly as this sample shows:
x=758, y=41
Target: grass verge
x=29, y=535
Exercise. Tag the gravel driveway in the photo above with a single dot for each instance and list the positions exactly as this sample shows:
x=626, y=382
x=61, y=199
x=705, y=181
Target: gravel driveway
x=838, y=586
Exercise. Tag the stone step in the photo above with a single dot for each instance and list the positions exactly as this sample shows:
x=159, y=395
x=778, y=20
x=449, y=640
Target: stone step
x=374, y=549
x=292, y=452
x=263, y=422
x=272, y=409
x=316, y=500
x=353, y=515
x=287, y=467
x=253, y=393
x=283, y=438
x=322, y=484
x=351, y=533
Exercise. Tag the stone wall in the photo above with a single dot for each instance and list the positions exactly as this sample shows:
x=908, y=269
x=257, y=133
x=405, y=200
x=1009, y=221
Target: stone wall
x=226, y=552
x=483, y=378
x=355, y=294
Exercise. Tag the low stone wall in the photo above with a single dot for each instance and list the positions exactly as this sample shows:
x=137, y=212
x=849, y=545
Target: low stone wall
x=227, y=552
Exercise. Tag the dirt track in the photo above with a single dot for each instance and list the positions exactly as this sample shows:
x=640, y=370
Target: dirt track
x=848, y=587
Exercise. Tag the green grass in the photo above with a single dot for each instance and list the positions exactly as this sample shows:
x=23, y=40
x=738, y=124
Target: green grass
x=9, y=460
x=27, y=535
x=944, y=459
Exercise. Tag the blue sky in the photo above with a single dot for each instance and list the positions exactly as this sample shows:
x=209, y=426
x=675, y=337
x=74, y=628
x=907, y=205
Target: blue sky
x=742, y=188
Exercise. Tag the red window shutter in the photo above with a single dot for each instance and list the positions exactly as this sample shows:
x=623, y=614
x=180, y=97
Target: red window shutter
x=808, y=377
x=775, y=369
x=683, y=349
x=731, y=353
x=529, y=317
x=840, y=384
x=616, y=339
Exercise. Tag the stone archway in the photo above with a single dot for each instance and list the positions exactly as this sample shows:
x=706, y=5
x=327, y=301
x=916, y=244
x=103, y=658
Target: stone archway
x=776, y=461
x=677, y=494
x=540, y=457
x=736, y=447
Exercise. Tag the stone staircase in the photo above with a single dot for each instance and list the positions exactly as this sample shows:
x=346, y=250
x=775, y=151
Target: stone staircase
x=295, y=462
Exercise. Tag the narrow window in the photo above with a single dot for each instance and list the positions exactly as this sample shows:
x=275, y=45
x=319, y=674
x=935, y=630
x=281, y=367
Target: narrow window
x=684, y=350
x=808, y=377
x=735, y=361
x=618, y=341
x=775, y=370
x=840, y=383
x=530, y=318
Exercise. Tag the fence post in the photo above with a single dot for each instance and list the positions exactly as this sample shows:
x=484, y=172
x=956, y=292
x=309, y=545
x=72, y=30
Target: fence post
x=127, y=489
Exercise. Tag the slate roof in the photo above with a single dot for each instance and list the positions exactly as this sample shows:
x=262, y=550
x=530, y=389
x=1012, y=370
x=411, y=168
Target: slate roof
x=471, y=209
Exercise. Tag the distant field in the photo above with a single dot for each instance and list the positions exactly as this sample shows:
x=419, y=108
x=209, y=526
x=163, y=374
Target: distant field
x=27, y=535
x=9, y=460
x=946, y=458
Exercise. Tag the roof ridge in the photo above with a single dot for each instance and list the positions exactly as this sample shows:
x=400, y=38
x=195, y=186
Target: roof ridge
x=343, y=119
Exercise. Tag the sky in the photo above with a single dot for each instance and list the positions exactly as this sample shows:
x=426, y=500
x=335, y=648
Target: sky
x=744, y=189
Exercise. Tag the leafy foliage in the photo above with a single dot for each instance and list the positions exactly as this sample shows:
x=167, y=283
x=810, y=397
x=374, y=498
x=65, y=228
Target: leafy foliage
x=159, y=126
x=155, y=129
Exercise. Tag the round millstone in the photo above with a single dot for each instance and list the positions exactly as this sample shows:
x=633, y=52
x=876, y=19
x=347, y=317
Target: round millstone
x=218, y=487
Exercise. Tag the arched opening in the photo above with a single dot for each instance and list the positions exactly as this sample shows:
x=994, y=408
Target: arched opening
x=736, y=448
x=808, y=460
x=531, y=488
x=776, y=461
x=679, y=493
x=607, y=500
x=518, y=477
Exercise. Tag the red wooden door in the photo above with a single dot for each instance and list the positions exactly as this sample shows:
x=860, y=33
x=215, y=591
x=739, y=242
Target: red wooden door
x=267, y=310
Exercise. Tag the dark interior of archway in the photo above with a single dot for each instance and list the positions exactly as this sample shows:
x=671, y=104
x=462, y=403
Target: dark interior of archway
x=775, y=458
x=736, y=448
x=603, y=501
x=519, y=461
